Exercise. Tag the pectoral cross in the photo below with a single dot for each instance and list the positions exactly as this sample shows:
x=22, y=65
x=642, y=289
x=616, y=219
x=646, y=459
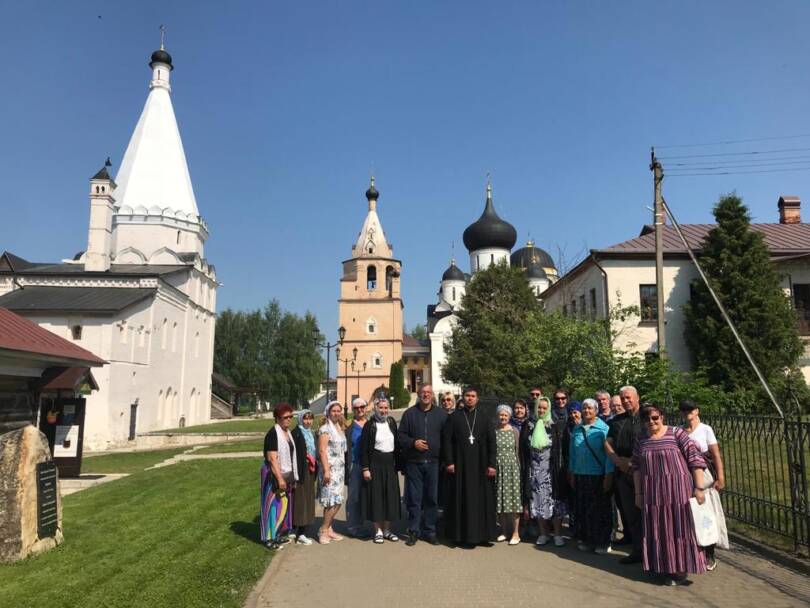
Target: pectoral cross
x=472, y=440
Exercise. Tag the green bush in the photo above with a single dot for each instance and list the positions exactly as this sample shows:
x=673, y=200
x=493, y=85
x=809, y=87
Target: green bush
x=400, y=395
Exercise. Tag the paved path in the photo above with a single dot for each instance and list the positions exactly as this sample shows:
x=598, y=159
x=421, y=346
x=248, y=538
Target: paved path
x=393, y=575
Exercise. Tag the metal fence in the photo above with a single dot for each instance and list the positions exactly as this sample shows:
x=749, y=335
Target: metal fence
x=766, y=461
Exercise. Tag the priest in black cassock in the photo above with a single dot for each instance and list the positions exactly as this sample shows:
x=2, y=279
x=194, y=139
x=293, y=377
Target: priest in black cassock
x=468, y=455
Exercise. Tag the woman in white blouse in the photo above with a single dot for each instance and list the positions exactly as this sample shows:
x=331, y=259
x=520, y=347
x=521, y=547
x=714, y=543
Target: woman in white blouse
x=715, y=475
x=378, y=460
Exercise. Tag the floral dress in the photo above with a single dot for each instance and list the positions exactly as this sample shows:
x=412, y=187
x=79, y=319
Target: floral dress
x=508, y=479
x=332, y=494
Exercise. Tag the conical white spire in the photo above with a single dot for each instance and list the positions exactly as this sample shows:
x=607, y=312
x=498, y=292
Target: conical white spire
x=371, y=240
x=154, y=173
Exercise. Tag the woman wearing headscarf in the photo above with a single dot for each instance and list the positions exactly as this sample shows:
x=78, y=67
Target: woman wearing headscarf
x=331, y=472
x=307, y=455
x=668, y=471
x=544, y=448
x=507, y=478
x=279, y=475
x=590, y=474
x=379, y=494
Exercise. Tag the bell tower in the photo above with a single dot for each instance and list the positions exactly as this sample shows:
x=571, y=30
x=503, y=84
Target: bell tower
x=370, y=308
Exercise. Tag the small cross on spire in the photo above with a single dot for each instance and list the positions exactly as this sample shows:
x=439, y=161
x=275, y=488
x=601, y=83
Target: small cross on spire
x=162, y=37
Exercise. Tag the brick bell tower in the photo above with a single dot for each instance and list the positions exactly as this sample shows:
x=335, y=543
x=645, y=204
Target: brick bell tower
x=370, y=309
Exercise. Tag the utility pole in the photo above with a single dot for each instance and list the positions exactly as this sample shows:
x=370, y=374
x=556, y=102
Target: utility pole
x=659, y=218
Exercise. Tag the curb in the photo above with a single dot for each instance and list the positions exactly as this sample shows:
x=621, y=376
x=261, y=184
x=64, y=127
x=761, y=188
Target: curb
x=252, y=600
x=802, y=566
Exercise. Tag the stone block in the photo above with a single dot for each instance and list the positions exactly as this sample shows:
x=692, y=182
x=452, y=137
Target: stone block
x=20, y=453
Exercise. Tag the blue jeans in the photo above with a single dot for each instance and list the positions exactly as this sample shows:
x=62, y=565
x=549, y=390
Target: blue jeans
x=354, y=514
x=421, y=494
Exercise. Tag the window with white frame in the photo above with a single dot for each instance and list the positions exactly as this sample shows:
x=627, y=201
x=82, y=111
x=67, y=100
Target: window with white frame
x=376, y=360
x=371, y=326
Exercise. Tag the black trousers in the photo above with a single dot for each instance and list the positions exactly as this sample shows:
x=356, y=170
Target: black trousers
x=631, y=514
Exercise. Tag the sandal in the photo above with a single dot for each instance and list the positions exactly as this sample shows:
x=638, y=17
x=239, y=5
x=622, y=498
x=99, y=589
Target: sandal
x=379, y=538
x=323, y=538
x=333, y=535
x=391, y=536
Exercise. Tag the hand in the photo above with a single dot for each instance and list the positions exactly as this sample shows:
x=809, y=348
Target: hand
x=640, y=501
x=327, y=477
x=421, y=445
x=491, y=471
x=367, y=475
x=451, y=469
x=700, y=496
x=720, y=484
x=624, y=465
x=282, y=485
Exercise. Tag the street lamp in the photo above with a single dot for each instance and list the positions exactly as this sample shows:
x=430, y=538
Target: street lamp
x=346, y=362
x=328, y=347
x=358, y=376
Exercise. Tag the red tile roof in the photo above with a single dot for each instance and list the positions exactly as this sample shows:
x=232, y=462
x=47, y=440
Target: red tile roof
x=781, y=239
x=20, y=334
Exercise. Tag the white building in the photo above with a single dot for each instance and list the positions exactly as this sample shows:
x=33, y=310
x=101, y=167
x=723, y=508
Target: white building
x=489, y=240
x=142, y=296
x=624, y=274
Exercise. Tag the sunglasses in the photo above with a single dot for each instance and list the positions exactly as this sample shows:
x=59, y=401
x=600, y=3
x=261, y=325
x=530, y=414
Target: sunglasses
x=560, y=398
x=652, y=418
x=535, y=394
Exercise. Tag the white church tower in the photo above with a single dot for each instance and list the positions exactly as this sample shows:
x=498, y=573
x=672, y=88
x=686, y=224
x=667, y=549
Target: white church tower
x=156, y=218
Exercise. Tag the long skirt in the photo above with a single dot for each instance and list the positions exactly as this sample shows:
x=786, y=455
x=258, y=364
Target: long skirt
x=304, y=503
x=275, y=516
x=379, y=497
x=542, y=503
x=592, y=511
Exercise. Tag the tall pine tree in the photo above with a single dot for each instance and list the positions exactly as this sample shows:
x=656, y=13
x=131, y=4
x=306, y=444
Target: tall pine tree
x=737, y=263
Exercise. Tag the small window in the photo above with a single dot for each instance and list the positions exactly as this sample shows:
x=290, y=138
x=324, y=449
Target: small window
x=376, y=360
x=454, y=294
x=76, y=332
x=573, y=308
x=582, y=310
x=593, y=303
x=164, y=334
x=371, y=328
x=648, y=302
x=565, y=310
x=178, y=237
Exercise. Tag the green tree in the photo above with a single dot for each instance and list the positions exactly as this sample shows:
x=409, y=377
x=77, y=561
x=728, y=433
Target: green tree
x=737, y=263
x=487, y=348
x=269, y=350
x=419, y=332
x=399, y=393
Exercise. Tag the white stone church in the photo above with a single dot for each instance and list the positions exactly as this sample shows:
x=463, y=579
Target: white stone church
x=142, y=296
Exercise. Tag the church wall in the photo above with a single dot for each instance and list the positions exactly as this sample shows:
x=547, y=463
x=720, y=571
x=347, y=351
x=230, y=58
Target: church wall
x=154, y=234
x=440, y=334
x=483, y=258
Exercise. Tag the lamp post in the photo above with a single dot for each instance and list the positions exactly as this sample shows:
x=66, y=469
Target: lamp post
x=346, y=362
x=358, y=376
x=329, y=347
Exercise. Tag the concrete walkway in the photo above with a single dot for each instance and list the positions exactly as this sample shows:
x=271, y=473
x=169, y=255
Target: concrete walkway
x=360, y=574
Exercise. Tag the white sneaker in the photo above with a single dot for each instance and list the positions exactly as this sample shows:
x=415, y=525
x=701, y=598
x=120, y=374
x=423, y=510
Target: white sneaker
x=603, y=550
x=541, y=540
x=559, y=541
x=303, y=540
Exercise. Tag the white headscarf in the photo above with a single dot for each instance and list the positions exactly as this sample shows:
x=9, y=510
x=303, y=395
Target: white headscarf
x=335, y=433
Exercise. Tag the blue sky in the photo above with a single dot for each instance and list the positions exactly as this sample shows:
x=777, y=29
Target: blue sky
x=284, y=107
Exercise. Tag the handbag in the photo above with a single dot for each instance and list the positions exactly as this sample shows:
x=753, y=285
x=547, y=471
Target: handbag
x=706, y=531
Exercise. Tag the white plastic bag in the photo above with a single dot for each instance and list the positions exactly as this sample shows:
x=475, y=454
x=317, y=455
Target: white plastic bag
x=706, y=529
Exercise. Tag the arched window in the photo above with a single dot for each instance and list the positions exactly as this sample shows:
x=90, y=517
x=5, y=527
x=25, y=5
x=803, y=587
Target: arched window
x=174, y=337
x=389, y=279
x=376, y=360
x=454, y=295
x=371, y=278
x=164, y=334
x=371, y=326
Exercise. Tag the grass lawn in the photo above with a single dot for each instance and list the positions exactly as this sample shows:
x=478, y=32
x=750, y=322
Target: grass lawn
x=248, y=425
x=127, y=462
x=180, y=536
x=253, y=445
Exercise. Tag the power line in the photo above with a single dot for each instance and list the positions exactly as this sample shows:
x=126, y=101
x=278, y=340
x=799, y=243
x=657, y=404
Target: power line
x=739, y=172
x=735, y=161
x=735, y=141
x=752, y=165
x=751, y=153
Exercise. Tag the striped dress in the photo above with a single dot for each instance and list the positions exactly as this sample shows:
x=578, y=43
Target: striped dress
x=665, y=464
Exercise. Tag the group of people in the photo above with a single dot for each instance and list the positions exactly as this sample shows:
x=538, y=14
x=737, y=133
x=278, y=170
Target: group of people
x=602, y=464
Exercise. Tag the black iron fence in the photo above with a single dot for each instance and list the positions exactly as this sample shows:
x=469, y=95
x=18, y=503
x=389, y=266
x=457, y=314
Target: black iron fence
x=766, y=461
